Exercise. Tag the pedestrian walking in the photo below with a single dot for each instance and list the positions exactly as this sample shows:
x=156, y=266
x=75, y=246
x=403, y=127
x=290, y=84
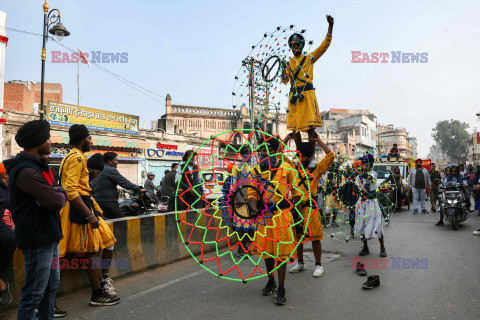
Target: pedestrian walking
x=419, y=180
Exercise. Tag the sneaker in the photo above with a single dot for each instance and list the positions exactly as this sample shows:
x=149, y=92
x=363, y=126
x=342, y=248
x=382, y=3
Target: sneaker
x=57, y=312
x=383, y=252
x=425, y=211
x=434, y=209
x=372, y=282
x=364, y=251
x=361, y=269
x=280, y=297
x=298, y=267
x=415, y=211
x=477, y=233
x=5, y=296
x=110, y=289
x=110, y=281
x=103, y=299
x=318, y=271
x=439, y=223
x=269, y=288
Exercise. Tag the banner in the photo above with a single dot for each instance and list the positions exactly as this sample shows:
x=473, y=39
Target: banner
x=63, y=114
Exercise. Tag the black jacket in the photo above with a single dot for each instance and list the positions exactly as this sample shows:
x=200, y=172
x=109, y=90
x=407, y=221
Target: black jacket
x=34, y=225
x=4, y=198
x=169, y=186
x=105, y=188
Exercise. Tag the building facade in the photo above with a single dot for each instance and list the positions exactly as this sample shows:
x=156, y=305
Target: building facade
x=206, y=122
x=437, y=157
x=350, y=132
x=389, y=135
x=24, y=96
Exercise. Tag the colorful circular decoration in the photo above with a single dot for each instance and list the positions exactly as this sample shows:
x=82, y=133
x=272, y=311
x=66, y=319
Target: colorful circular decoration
x=224, y=230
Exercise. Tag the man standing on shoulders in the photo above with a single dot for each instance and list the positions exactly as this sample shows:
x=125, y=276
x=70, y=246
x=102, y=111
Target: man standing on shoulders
x=436, y=180
x=35, y=201
x=105, y=191
x=419, y=180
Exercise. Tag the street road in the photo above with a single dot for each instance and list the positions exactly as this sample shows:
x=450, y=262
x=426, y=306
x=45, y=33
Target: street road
x=446, y=288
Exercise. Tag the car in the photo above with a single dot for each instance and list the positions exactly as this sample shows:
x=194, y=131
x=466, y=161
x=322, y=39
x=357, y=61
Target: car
x=213, y=183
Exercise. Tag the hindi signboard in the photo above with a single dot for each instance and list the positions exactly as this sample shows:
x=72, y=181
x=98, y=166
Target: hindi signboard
x=64, y=114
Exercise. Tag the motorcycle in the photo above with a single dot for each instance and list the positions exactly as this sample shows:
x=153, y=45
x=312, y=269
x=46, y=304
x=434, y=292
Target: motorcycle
x=138, y=204
x=453, y=203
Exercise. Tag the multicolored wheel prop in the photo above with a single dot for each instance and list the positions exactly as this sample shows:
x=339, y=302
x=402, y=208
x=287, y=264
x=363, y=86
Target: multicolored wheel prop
x=259, y=78
x=224, y=232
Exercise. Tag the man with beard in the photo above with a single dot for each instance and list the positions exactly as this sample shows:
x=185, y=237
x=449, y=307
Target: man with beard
x=79, y=217
x=419, y=180
x=303, y=113
x=35, y=200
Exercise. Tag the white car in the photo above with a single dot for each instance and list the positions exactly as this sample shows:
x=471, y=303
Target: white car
x=213, y=184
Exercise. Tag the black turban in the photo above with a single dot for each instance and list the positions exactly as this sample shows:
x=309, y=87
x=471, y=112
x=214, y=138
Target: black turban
x=78, y=133
x=95, y=162
x=33, y=134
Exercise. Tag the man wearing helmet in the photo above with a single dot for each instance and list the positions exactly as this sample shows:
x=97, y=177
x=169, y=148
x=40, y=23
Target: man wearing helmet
x=303, y=114
x=151, y=187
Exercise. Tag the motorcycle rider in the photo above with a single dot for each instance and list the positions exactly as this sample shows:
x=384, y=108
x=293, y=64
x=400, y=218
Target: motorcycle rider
x=454, y=176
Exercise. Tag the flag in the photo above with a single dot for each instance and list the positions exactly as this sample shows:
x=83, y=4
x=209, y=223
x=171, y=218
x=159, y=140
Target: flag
x=83, y=57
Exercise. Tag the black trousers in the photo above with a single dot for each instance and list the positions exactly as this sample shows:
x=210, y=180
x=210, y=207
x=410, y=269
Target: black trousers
x=7, y=247
x=111, y=209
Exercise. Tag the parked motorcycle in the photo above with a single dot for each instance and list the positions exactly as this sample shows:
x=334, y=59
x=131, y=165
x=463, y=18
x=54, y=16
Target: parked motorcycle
x=138, y=204
x=453, y=204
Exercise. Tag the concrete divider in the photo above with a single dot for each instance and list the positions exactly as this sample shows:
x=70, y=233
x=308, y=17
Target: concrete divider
x=143, y=242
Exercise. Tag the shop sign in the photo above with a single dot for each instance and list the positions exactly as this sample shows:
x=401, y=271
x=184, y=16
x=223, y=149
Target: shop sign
x=160, y=153
x=63, y=114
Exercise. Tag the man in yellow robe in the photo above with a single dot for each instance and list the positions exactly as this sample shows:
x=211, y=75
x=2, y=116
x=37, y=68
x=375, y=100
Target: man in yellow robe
x=275, y=235
x=310, y=215
x=84, y=233
x=303, y=113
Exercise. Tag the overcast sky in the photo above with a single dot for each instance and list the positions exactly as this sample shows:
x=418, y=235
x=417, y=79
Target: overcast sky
x=193, y=49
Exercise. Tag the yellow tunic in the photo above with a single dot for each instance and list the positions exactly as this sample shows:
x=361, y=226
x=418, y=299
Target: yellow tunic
x=277, y=237
x=314, y=228
x=304, y=113
x=80, y=238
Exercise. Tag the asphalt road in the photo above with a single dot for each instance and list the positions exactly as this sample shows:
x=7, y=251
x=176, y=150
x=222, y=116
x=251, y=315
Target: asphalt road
x=444, y=286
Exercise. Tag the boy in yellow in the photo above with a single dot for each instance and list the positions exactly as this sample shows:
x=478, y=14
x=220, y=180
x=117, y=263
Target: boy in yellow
x=80, y=225
x=303, y=114
x=312, y=176
x=275, y=234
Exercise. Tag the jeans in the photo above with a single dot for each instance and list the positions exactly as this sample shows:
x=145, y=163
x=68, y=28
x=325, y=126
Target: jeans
x=468, y=197
x=41, y=282
x=7, y=247
x=419, y=194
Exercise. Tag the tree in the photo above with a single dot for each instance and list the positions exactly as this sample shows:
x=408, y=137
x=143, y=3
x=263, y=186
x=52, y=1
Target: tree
x=453, y=139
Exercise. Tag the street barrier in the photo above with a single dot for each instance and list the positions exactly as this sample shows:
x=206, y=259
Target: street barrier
x=143, y=242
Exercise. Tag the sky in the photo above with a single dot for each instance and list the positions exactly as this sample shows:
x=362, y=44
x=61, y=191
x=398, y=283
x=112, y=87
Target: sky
x=192, y=50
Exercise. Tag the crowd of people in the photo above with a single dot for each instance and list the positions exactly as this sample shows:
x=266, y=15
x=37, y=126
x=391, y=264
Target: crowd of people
x=51, y=218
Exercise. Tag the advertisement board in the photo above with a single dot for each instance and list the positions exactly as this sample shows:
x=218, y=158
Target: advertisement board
x=63, y=114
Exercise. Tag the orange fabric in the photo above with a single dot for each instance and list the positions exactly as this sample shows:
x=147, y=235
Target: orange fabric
x=2, y=168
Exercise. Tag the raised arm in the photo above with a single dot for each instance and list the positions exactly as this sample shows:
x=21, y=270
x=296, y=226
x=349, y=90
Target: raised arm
x=326, y=43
